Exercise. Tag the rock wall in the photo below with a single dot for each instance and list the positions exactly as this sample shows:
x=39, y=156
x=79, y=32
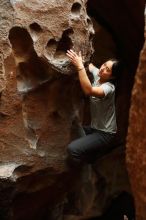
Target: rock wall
x=40, y=102
x=136, y=140
x=37, y=100
x=41, y=107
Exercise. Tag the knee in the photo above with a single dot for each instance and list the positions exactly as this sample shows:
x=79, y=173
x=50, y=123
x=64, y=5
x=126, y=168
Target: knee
x=74, y=158
x=74, y=150
x=70, y=149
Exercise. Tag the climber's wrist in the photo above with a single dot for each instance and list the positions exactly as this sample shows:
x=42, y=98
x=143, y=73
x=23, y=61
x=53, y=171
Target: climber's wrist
x=80, y=68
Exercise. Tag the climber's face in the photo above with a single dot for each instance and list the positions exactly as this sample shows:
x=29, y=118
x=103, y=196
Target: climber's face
x=105, y=71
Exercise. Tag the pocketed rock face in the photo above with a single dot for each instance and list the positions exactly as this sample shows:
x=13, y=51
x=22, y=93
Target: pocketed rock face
x=40, y=37
x=40, y=101
x=136, y=150
x=54, y=28
x=39, y=34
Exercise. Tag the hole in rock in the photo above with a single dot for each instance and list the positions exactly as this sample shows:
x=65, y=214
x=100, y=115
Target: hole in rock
x=31, y=70
x=91, y=36
x=89, y=21
x=35, y=30
x=35, y=27
x=21, y=42
x=30, y=75
x=64, y=44
x=76, y=8
x=51, y=46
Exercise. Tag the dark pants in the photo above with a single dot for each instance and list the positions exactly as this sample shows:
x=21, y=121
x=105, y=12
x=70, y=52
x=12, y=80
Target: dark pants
x=92, y=146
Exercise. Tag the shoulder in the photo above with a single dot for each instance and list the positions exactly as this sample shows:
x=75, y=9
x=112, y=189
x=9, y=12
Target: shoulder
x=111, y=85
x=108, y=88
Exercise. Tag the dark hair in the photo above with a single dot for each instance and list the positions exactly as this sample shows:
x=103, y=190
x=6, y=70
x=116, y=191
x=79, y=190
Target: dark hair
x=117, y=69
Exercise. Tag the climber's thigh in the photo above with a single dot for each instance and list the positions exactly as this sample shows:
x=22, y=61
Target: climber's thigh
x=92, y=146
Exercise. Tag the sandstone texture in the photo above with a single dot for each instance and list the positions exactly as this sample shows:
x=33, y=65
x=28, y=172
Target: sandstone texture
x=40, y=100
x=136, y=140
x=42, y=105
x=33, y=46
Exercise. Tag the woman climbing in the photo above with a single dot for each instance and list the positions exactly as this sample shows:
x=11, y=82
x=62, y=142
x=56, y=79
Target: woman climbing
x=100, y=136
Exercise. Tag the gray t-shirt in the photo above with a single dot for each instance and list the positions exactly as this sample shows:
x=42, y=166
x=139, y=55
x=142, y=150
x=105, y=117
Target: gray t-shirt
x=103, y=115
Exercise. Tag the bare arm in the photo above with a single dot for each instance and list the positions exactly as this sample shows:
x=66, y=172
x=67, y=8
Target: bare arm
x=87, y=87
x=84, y=80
